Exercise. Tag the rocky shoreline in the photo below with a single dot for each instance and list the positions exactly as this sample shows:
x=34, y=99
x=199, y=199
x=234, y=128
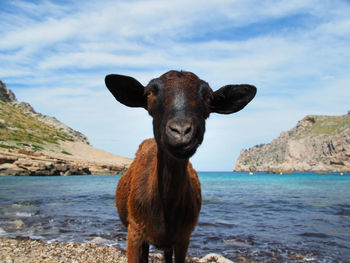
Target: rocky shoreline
x=26, y=250
x=22, y=162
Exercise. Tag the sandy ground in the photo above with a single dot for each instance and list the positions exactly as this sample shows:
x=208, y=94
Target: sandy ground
x=86, y=153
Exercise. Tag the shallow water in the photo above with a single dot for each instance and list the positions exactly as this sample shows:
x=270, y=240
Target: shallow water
x=270, y=218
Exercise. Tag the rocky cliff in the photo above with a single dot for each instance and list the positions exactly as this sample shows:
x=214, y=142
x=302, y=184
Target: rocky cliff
x=34, y=144
x=316, y=144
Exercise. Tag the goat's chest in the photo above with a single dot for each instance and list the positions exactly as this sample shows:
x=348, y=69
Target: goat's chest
x=168, y=224
x=166, y=221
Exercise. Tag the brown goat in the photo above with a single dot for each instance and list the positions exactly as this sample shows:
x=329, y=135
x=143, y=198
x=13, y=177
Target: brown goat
x=159, y=197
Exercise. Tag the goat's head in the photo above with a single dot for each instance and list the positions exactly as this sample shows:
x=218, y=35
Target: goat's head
x=179, y=103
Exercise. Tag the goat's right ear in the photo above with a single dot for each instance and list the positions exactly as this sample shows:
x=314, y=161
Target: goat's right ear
x=126, y=90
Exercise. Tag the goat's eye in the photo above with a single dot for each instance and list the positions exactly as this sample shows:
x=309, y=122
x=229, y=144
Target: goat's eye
x=151, y=91
x=149, y=94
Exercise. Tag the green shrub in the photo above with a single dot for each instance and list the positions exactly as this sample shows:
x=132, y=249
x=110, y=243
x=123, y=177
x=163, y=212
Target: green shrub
x=8, y=146
x=311, y=119
x=37, y=147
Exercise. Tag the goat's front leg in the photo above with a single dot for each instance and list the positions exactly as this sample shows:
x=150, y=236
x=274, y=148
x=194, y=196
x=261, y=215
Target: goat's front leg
x=144, y=252
x=137, y=247
x=168, y=255
x=181, y=250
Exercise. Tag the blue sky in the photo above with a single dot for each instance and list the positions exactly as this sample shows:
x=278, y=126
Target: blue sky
x=55, y=54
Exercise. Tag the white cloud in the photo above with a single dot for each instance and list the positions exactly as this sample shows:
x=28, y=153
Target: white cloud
x=56, y=56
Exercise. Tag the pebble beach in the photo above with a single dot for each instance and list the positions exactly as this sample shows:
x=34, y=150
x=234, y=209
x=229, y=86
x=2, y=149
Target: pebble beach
x=26, y=250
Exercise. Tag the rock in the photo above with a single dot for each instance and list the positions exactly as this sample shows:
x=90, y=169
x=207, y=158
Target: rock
x=99, y=241
x=214, y=258
x=28, y=152
x=12, y=169
x=78, y=170
x=317, y=144
x=24, y=162
x=18, y=223
x=7, y=159
x=62, y=167
x=66, y=173
x=6, y=94
x=37, y=167
x=27, y=107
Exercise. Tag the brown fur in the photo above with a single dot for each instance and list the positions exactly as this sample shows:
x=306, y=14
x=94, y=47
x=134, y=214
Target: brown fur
x=159, y=199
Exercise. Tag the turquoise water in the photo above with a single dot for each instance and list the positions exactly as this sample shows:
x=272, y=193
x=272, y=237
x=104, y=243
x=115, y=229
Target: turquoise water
x=277, y=215
x=270, y=218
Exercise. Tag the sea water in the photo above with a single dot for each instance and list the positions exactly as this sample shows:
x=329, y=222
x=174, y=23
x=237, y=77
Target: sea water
x=269, y=218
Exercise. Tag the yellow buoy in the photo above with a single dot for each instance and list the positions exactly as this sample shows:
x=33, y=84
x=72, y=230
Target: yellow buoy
x=251, y=173
x=281, y=173
x=341, y=174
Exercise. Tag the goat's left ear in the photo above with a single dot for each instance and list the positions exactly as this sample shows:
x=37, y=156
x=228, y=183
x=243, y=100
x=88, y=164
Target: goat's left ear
x=126, y=90
x=232, y=98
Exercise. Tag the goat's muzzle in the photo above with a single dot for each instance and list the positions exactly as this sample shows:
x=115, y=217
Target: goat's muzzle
x=180, y=137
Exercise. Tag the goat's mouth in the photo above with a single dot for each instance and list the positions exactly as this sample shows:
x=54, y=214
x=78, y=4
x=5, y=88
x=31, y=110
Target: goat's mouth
x=183, y=151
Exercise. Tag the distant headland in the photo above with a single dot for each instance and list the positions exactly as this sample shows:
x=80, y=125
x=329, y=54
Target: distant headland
x=317, y=143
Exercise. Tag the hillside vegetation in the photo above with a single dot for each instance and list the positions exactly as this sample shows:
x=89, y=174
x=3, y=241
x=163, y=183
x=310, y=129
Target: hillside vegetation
x=21, y=130
x=35, y=144
x=321, y=125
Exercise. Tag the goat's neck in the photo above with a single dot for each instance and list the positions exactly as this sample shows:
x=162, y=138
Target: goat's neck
x=172, y=176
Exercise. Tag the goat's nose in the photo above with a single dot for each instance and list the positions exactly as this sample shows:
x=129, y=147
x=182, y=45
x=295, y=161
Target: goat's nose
x=179, y=131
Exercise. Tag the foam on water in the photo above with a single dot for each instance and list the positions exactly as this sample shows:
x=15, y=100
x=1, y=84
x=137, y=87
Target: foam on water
x=24, y=214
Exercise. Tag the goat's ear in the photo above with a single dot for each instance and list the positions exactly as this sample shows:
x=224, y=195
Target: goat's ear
x=232, y=98
x=126, y=90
